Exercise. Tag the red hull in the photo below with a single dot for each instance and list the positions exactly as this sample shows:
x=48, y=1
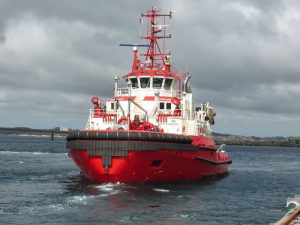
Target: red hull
x=138, y=166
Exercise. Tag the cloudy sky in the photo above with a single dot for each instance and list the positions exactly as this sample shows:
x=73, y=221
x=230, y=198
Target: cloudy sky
x=244, y=57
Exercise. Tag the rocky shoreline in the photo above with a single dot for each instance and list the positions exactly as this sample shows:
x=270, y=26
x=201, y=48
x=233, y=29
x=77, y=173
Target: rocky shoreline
x=227, y=139
x=256, y=141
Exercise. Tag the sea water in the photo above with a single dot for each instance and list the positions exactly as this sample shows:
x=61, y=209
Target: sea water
x=39, y=184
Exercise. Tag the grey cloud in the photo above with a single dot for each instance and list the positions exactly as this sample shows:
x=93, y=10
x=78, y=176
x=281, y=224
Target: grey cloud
x=243, y=56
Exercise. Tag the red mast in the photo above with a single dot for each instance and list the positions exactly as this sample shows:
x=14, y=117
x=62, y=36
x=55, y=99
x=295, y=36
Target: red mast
x=156, y=24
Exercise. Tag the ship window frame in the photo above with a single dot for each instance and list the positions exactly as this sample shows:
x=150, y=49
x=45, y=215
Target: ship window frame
x=137, y=82
x=148, y=84
x=162, y=81
x=175, y=84
x=161, y=105
x=112, y=105
x=168, y=106
x=170, y=85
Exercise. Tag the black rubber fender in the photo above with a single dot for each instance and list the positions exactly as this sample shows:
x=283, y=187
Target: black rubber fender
x=129, y=136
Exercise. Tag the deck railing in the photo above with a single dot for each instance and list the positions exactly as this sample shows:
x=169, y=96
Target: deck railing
x=162, y=92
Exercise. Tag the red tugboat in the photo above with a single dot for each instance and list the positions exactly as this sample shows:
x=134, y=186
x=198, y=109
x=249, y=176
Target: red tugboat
x=149, y=131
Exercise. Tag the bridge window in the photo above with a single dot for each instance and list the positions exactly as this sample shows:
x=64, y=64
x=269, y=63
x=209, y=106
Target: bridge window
x=168, y=83
x=112, y=106
x=157, y=82
x=134, y=82
x=145, y=82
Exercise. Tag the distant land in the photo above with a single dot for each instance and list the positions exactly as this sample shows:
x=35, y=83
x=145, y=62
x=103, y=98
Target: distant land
x=227, y=139
x=20, y=130
x=279, y=141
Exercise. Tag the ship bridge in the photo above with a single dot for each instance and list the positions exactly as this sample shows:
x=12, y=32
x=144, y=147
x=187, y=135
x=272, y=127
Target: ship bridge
x=151, y=82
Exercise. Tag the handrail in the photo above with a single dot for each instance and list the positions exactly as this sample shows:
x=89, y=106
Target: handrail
x=124, y=91
x=289, y=217
x=118, y=103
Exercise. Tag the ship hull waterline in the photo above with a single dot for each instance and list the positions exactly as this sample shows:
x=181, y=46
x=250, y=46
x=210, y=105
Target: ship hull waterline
x=151, y=166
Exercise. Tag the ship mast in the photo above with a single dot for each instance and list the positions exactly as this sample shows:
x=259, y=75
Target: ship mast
x=155, y=55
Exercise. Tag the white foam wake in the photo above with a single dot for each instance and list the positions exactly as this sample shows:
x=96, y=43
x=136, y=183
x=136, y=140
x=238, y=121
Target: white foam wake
x=161, y=190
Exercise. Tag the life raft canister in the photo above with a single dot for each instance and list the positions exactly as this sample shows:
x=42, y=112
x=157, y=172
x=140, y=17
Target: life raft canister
x=175, y=101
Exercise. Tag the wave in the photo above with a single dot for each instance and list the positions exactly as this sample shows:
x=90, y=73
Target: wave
x=57, y=207
x=30, y=135
x=36, y=209
x=109, y=188
x=106, y=187
x=161, y=190
x=80, y=199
